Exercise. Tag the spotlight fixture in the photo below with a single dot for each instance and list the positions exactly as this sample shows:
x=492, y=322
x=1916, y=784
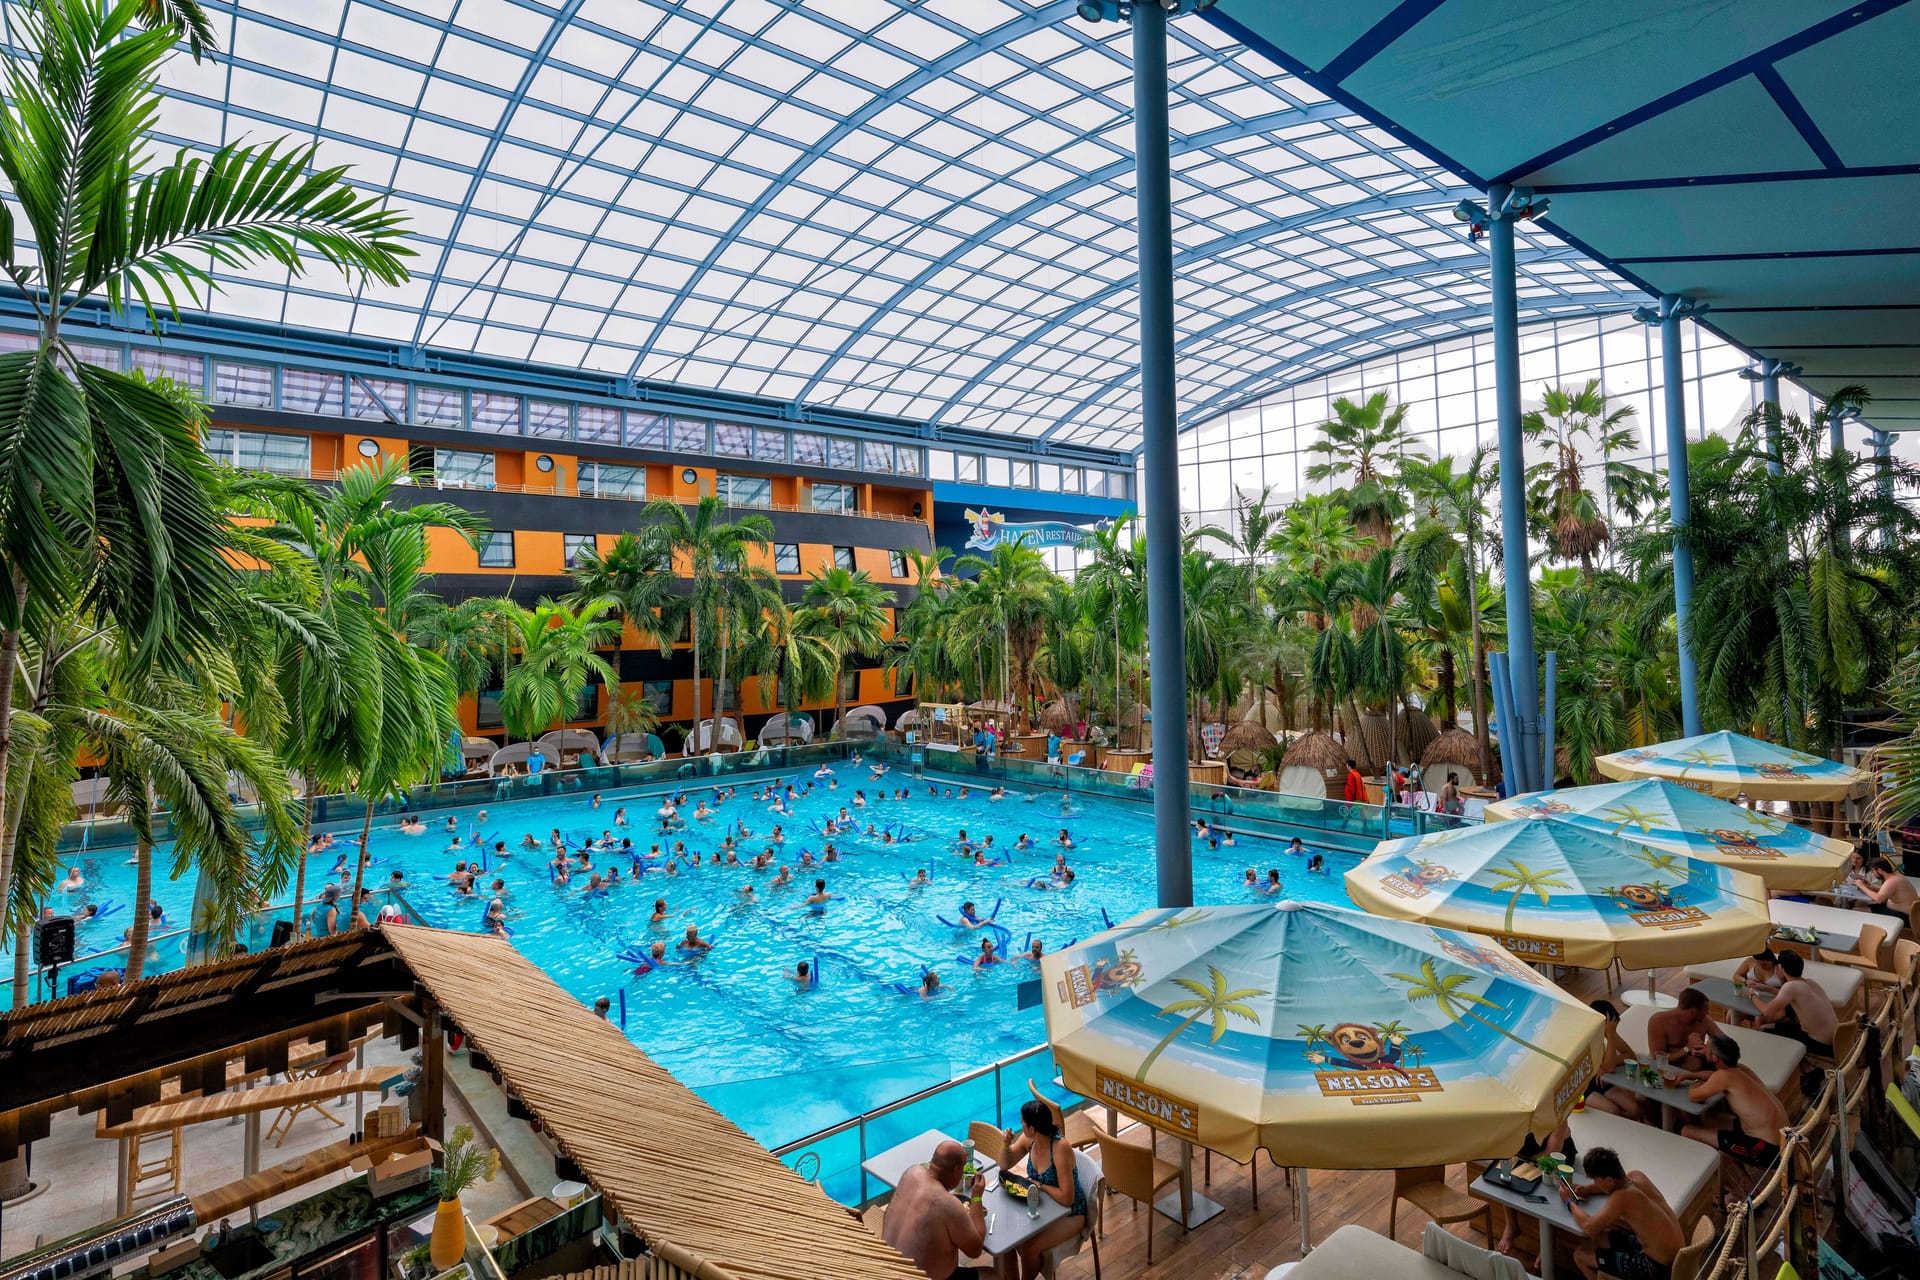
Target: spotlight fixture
x=1475, y=215
x=1122, y=10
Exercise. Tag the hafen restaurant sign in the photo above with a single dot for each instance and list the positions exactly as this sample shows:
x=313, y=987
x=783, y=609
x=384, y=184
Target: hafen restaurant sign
x=1151, y=1106
x=991, y=529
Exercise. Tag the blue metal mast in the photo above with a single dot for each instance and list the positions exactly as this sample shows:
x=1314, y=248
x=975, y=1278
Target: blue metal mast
x=1667, y=316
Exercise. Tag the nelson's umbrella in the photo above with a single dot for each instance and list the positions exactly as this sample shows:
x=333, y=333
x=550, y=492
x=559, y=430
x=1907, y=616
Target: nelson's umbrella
x=1731, y=764
x=1334, y=1039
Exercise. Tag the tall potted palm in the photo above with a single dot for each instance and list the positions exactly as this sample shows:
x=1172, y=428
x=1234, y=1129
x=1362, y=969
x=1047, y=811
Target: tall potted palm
x=560, y=654
x=846, y=611
x=103, y=486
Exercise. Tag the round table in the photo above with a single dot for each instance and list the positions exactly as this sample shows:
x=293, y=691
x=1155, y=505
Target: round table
x=1653, y=999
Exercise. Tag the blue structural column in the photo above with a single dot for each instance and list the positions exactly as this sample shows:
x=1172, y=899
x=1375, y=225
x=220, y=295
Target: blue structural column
x=1671, y=312
x=1523, y=688
x=1768, y=375
x=1160, y=458
x=1883, y=477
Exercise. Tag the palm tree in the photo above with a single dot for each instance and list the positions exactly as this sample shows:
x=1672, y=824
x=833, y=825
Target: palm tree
x=1363, y=446
x=846, y=611
x=1521, y=878
x=710, y=549
x=1006, y=599
x=1457, y=502
x=1576, y=526
x=1367, y=590
x=1455, y=1004
x=467, y=636
x=1211, y=614
x=559, y=656
x=744, y=599
x=1112, y=583
x=103, y=485
x=1211, y=1000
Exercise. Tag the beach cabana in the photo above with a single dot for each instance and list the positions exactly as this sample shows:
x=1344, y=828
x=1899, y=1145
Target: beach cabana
x=704, y=736
x=1729, y=765
x=1677, y=818
x=791, y=730
x=1334, y=1039
x=577, y=742
x=1559, y=894
x=626, y=748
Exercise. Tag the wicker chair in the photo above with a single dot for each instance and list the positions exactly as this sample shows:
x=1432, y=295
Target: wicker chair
x=1137, y=1174
x=1865, y=955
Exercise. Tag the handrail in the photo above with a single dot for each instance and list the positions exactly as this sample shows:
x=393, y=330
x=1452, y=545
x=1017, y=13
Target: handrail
x=955, y=1082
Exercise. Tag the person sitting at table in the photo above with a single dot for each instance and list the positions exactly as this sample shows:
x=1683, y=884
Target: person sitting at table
x=1892, y=893
x=1680, y=1033
x=1801, y=1011
x=1602, y=1096
x=1753, y=1135
x=926, y=1223
x=1635, y=1235
x=1056, y=1173
x=1761, y=972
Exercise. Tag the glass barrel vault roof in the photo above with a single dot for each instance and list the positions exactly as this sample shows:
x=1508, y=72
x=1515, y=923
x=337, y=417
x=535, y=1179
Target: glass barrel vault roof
x=919, y=208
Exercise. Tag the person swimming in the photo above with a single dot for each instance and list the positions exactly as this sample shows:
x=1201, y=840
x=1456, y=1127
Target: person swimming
x=929, y=984
x=1272, y=885
x=819, y=898
x=782, y=880
x=1064, y=840
x=660, y=911
x=1250, y=879
x=694, y=942
x=988, y=955
x=620, y=816
x=920, y=881
x=656, y=958
x=801, y=975
x=1295, y=847
x=1063, y=880
x=1024, y=842
x=1034, y=952
x=971, y=918
x=1317, y=865
x=596, y=800
x=73, y=883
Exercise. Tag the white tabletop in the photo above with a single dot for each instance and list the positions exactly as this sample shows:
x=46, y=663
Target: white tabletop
x=1680, y=1167
x=1355, y=1251
x=892, y=1164
x=1775, y=1059
x=1811, y=915
x=1840, y=982
x=1009, y=1227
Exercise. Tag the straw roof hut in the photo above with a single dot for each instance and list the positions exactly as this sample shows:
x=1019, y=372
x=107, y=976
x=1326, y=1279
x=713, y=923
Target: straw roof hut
x=1322, y=753
x=1417, y=732
x=1367, y=743
x=1248, y=735
x=1057, y=718
x=1457, y=749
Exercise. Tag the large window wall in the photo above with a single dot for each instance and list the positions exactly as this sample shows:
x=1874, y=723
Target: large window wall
x=1448, y=389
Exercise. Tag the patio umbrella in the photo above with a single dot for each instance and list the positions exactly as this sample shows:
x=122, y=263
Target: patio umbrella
x=1730, y=764
x=1552, y=892
x=1667, y=815
x=1334, y=1039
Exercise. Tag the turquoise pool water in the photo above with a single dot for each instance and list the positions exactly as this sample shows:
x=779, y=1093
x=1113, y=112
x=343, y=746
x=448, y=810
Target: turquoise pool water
x=781, y=1060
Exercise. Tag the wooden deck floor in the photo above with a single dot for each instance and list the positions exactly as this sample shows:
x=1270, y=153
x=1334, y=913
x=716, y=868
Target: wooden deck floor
x=1244, y=1242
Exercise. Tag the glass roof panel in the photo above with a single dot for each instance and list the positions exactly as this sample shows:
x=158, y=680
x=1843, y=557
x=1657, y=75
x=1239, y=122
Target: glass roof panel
x=917, y=207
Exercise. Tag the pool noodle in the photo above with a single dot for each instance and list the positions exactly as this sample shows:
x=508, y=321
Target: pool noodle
x=1107, y=919
x=623, y=1008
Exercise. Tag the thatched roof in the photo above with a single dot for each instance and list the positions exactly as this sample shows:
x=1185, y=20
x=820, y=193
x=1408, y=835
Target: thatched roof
x=1454, y=747
x=640, y=1137
x=1321, y=752
x=1057, y=718
x=1417, y=732
x=1246, y=736
x=1365, y=742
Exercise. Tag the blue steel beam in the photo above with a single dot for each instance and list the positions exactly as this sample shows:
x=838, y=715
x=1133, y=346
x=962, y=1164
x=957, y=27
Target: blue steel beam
x=1667, y=316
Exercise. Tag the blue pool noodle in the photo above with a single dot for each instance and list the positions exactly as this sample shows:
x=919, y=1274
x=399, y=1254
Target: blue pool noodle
x=623, y=1008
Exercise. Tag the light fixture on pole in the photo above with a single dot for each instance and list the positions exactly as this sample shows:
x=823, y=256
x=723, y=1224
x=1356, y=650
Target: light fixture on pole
x=1122, y=10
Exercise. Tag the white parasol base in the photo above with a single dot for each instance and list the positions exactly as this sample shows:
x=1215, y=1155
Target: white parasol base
x=1202, y=1211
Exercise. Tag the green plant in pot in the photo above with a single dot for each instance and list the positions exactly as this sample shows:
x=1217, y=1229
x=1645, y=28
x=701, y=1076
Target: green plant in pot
x=464, y=1163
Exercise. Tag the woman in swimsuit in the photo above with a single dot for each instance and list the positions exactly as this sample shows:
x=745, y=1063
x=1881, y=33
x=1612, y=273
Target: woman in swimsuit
x=1055, y=1173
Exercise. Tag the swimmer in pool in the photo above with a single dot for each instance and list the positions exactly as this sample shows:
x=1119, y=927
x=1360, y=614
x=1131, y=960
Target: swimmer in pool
x=1296, y=848
x=1062, y=881
x=694, y=942
x=412, y=826
x=920, y=881
x=497, y=918
x=819, y=898
x=929, y=984
x=701, y=813
x=660, y=911
x=987, y=956
x=527, y=841
x=1272, y=885
x=1064, y=840
x=801, y=975
x=782, y=880
x=971, y=918
x=656, y=959
x=596, y=800
x=560, y=868
x=832, y=854
x=453, y=826
x=74, y=881
x=1034, y=951
x=1024, y=842
x=1251, y=879
x=620, y=816
x=1317, y=865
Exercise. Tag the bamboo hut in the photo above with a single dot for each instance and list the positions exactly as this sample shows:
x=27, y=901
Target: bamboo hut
x=1322, y=753
x=1365, y=742
x=1242, y=745
x=1417, y=732
x=1455, y=749
x=1057, y=718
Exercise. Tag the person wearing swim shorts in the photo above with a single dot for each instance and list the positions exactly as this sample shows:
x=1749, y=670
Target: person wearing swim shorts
x=1635, y=1235
x=1752, y=1133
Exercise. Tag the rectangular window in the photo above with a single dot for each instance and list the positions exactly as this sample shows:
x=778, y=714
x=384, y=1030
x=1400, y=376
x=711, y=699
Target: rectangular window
x=270, y=451
x=497, y=551
x=689, y=435
x=877, y=457
x=966, y=468
x=97, y=356
x=1023, y=475
x=1069, y=479
x=850, y=686
x=769, y=444
x=997, y=471
x=463, y=469
x=549, y=419
x=786, y=557
x=608, y=480
x=647, y=430
x=599, y=425
x=897, y=563
x=842, y=455
x=1047, y=478
x=809, y=449
x=496, y=413
x=486, y=714
x=243, y=384
x=731, y=440
x=832, y=497
x=906, y=460
x=1096, y=482
x=312, y=391
x=744, y=491
x=189, y=371
x=377, y=399
x=439, y=407
x=657, y=694
x=939, y=464
x=575, y=543
x=843, y=557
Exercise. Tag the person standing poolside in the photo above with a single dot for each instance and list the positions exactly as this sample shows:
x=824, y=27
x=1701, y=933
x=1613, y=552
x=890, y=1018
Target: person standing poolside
x=1355, y=791
x=926, y=1223
x=1635, y=1235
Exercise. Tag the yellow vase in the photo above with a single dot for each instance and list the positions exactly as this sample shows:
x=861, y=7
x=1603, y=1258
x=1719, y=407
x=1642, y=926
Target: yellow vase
x=449, y=1243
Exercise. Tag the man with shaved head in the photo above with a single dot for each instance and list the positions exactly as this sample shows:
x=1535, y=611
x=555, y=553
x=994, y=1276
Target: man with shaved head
x=927, y=1223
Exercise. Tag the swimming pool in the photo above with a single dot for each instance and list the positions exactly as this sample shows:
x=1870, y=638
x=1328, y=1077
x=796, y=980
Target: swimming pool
x=782, y=1060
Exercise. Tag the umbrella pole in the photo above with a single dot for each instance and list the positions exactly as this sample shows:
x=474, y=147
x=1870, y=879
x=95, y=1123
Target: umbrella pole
x=1301, y=1211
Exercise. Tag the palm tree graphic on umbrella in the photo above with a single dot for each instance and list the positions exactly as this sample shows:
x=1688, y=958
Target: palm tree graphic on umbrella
x=1211, y=1000
x=1520, y=878
x=1448, y=996
x=1628, y=815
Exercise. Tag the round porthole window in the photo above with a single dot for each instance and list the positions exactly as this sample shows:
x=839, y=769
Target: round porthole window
x=369, y=448
x=689, y=476
x=543, y=463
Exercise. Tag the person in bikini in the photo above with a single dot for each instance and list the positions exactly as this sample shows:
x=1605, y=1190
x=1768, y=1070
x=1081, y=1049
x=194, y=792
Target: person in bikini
x=1754, y=1135
x=1635, y=1235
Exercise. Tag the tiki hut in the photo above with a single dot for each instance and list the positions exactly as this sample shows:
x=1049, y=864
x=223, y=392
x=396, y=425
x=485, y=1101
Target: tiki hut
x=1417, y=732
x=1455, y=749
x=1242, y=746
x=1366, y=743
x=1322, y=753
x=1057, y=718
